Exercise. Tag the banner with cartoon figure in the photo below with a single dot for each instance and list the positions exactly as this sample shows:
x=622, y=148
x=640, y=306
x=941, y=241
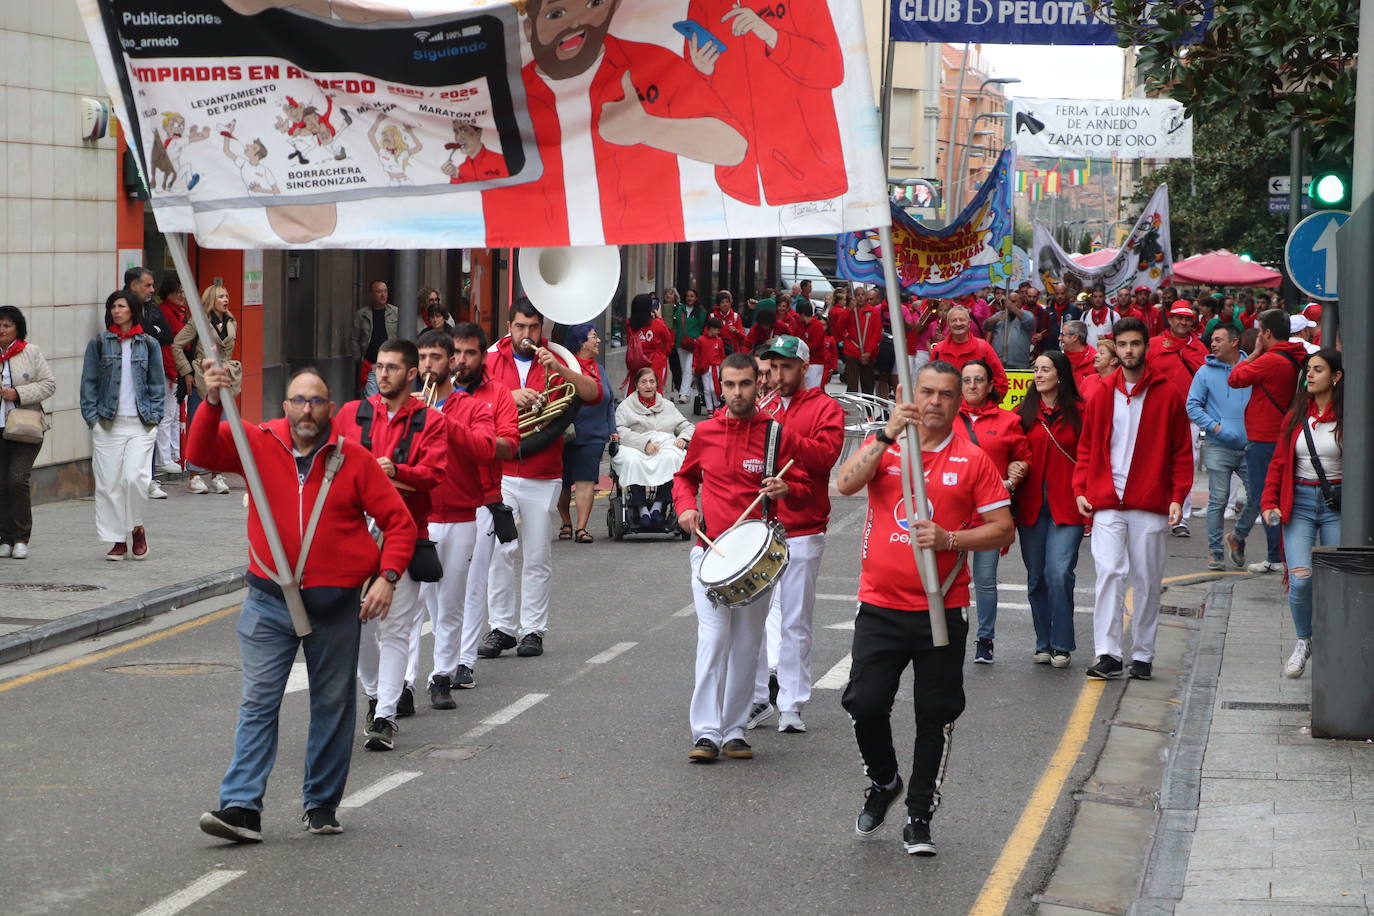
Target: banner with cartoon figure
x=1145, y=258
x=486, y=123
x=973, y=252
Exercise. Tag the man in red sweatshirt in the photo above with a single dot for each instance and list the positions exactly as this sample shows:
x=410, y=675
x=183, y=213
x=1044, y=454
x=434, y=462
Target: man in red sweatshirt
x=863, y=332
x=1134, y=470
x=1073, y=341
x=1178, y=354
x=961, y=346
x=724, y=470
x=1271, y=374
x=294, y=456
x=410, y=444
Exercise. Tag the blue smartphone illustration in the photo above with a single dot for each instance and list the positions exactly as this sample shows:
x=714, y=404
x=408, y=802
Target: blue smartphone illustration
x=690, y=28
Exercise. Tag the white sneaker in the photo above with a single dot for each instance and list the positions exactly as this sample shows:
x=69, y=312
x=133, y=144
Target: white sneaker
x=791, y=723
x=219, y=484
x=1297, y=662
x=20, y=551
x=170, y=467
x=1264, y=566
x=155, y=491
x=6, y=551
x=1230, y=513
x=197, y=485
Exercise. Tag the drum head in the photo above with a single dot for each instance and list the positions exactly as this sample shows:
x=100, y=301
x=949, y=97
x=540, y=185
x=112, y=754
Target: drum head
x=740, y=546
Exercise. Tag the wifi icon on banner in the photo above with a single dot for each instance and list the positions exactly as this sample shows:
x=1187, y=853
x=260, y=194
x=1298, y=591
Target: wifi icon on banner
x=422, y=36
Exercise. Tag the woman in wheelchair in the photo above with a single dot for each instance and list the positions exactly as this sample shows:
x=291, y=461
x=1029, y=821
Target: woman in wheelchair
x=652, y=435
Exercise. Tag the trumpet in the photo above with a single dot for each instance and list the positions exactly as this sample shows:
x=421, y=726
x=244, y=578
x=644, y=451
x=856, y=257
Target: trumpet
x=429, y=394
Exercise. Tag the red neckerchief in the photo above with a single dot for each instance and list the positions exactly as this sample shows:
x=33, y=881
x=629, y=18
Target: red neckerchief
x=133, y=331
x=1322, y=416
x=1100, y=319
x=986, y=407
x=1139, y=387
x=1173, y=342
x=644, y=402
x=13, y=349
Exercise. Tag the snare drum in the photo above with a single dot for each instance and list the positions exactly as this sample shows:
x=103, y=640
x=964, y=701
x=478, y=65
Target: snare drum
x=755, y=555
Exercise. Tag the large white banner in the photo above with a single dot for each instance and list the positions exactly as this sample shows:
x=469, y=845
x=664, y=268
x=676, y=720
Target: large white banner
x=492, y=123
x=1102, y=128
x=1145, y=258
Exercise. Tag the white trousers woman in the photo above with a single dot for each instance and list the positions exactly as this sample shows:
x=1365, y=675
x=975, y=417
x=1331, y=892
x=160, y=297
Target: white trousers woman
x=121, y=457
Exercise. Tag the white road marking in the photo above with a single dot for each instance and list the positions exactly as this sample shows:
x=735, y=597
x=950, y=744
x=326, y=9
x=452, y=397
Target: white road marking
x=503, y=716
x=687, y=611
x=197, y=890
x=836, y=677
x=618, y=649
x=842, y=625
x=378, y=788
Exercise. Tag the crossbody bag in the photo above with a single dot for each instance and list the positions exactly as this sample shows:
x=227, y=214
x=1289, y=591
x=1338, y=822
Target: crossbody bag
x=1329, y=494
x=425, y=565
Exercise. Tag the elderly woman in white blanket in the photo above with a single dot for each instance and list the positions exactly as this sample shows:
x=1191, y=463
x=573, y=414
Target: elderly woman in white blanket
x=653, y=438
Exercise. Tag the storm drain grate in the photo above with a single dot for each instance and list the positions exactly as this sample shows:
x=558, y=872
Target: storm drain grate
x=50, y=587
x=1179, y=611
x=447, y=751
x=1245, y=706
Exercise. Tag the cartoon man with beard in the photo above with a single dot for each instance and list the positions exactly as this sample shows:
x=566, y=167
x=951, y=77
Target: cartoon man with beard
x=630, y=110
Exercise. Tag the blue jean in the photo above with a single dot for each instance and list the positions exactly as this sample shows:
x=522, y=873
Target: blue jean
x=1221, y=462
x=1257, y=458
x=192, y=402
x=1310, y=522
x=1050, y=552
x=267, y=644
x=985, y=590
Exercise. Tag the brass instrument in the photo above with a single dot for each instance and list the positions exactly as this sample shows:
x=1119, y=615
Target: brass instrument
x=552, y=410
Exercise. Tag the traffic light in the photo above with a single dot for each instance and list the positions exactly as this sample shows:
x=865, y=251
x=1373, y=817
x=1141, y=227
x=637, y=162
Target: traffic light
x=1330, y=187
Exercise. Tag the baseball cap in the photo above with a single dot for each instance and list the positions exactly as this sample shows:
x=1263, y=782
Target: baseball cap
x=785, y=346
x=1141, y=289
x=1313, y=311
x=1298, y=323
x=1181, y=309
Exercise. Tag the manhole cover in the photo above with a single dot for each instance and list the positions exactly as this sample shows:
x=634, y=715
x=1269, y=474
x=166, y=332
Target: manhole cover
x=448, y=751
x=173, y=669
x=50, y=587
x=1247, y=706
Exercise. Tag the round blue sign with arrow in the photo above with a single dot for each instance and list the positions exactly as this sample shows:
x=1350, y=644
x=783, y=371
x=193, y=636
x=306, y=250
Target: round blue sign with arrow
x=1310, y=254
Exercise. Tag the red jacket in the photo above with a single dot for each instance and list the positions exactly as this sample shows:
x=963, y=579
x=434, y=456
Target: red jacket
x=506, y=425
x=864, y=331
x=841, y=323
x=546, y=464
x=1272, y=374
x=1176, y=359
x=427, y=463
x=723, y=470
x=176, y=319
x=1161, y=470
x=758, y=334
x=961, y=354
x=658, y=343
x=707, y=354
x=343, y=554
x=471, y=447
x=832, y=358
x=787, y=322
x=998, y=433
x=733, y=331
x=1051, y=471
x=814, y=335
x=816, y=422
x=1281, y=478
x=1082, y=363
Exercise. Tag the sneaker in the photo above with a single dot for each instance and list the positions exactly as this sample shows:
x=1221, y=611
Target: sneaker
x=1105, y=668
x=876, y=802
x=1142, y=671
x=494, y=643
x=916, y=837
x=1216, y=563
x=197, y=485
x=380, y=735
x=1297, y=662
x=1181, y=530
x=462, y=679
x=1059, y=658
x=219, y=484
x=531, y=645
x=704, y=751
x=6, y=551
x=738, y=749
x=440, y=692
x=1264, y=566
x=405, y=706
x=238, y=825
x=1230, y=513
x=760, y=713
x=371, y=713
x=321, y=821
x=790, y=723
x=20, y=551
x=1235, y=551
x=1041, y=657
x=982, y=655
x=155, y=491
x=170, y=467
x=140, y=545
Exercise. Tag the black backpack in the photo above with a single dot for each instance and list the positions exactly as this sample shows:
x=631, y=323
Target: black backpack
x=401, y=454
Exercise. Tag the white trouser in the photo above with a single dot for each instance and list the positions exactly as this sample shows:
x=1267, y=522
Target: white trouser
x=121, y=458
x=916, y=361
x=685, y=358
x=794, y=600
x=727, y=657
x=475, y=606
x=1128, y=549
x=384, y=650
x=1188, y=501
x=815, y=375
x=708, y=395
x=169, y=428
x=445, y=600
x=533, y=502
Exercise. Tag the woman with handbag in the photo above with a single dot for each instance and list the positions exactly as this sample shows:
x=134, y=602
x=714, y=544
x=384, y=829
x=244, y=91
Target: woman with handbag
x=1303, y=487
x=122, y=392
x=25, y=382
x=215, y=300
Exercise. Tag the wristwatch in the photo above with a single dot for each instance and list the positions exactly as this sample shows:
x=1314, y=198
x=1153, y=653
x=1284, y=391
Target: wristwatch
x=882, y=436
x=391, y=576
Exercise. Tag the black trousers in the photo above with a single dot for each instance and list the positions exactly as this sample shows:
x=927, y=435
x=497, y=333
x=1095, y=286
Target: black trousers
x=675, y=366
x=16, y=507
x=885, y=642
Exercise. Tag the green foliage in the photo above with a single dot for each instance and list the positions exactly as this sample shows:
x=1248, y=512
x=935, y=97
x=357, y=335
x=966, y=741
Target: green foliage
x=1085, y=244
x=1021, y=234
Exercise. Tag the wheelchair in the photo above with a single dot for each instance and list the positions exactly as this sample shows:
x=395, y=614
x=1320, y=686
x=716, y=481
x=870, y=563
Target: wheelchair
x=623, y=519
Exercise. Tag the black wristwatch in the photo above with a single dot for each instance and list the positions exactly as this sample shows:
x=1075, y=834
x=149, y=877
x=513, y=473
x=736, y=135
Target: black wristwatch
x=391, y=576
x=882, y=436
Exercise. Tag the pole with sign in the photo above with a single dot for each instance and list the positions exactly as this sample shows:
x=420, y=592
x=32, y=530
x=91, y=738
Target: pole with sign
x=1310, y=255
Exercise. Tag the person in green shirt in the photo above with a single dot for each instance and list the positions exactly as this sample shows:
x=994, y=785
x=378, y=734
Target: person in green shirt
x=1226, y=314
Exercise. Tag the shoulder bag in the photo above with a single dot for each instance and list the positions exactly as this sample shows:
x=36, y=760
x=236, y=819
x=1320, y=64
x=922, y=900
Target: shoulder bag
x=1329, y=494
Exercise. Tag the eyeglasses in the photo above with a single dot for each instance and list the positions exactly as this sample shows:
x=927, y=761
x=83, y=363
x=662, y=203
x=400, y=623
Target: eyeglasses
x=301, y=403
x=390, y=367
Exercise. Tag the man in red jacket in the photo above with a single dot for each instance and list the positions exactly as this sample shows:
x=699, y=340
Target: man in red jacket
x=863, y=332
x=295, y=456
x=1178, y=354
x=1073, y=337
x=452, y=517
x=1271, y=374
x=1134, y=470
x=410, y=444
x=961, y=346
x=724, y=470
x=815, y=421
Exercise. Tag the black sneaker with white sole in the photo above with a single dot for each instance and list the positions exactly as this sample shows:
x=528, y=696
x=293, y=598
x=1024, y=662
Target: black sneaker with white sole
x=876, y=802
x=380, y=735
x=738, y=749
x=531, y=646
x=1142, y=671
x=982, y=653
x=321, y=821
x=1105, y=668
x=462, y=679
x=405, y=706
x=494, y=643
x=916, y=837
x=237, y=825
x=441, y=692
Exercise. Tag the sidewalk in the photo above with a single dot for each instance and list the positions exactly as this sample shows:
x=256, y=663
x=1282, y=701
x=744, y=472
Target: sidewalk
x=66, y=590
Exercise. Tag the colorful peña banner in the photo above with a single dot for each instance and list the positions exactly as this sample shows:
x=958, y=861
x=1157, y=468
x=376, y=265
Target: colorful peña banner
x=973, y=252
x=1145, y=258
x=1019, y=381
x=486, y=123
x=1008, y=22
x=1102, y=128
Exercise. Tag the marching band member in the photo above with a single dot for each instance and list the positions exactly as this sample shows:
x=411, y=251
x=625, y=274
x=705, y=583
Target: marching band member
x=892, y=629
x=470, y=356
x=410, y=444
x=815, y=421
x=453, y=515
x=723, y=472
x=530, y=486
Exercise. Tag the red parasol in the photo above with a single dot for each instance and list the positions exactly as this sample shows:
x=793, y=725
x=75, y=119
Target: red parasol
x=1223, y=268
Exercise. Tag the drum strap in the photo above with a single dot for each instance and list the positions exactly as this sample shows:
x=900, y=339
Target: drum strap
x=770, y=462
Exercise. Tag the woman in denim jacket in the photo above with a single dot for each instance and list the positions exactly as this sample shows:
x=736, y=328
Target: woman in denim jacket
x=122, y=393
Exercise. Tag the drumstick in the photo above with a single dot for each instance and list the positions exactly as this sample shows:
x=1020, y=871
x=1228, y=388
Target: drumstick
x=710, y=543
x=760, y=496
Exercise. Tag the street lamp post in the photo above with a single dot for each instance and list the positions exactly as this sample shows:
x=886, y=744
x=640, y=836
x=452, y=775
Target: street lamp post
x=954, y=123
x=963, y=159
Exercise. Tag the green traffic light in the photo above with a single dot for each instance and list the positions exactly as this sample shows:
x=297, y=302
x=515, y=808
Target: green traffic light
x=1329, y=189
